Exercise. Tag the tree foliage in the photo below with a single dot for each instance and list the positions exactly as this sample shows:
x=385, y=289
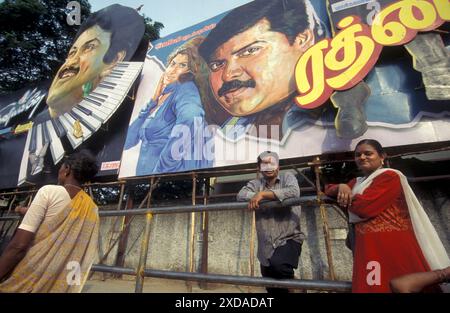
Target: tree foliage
x=152, y=29
x=35, y=38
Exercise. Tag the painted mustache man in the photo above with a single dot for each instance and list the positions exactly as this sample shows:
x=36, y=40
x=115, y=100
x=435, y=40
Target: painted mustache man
x=108, y=36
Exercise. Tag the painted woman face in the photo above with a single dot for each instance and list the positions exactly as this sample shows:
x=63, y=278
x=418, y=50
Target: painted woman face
x=177, y=66
x=368, y=159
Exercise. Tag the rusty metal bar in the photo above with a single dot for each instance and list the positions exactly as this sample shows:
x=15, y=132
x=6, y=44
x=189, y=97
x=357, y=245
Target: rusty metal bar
x=230, y=206
x=323, y=214
x=234, y=194
x=427, y=178
x=125, y=227
x=122, y=247
x=205, y=233
x=313, y=186
x=192, y=233
x=114, y=225
x=144, y=245
x=252, y=243
x=305, y=284
x=307, y=200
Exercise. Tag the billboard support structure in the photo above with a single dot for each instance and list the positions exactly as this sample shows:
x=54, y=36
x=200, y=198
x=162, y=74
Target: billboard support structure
x=119, y=207
x=123, y=237
x=145, y=241
x=323, y=215
x=192, y=232
x=141, y=272
x=205, y=234
x=252, y=245
x=124, y=226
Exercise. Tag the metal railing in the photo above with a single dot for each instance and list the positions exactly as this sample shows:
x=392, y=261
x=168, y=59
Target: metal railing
x=141, y=271
x=306, y=284
x=309, y=200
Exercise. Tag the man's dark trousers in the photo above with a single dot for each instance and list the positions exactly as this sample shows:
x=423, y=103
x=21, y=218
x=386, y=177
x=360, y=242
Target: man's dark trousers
x=282, y=264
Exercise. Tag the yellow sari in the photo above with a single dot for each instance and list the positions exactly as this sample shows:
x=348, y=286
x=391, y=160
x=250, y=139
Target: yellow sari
x=62, y=252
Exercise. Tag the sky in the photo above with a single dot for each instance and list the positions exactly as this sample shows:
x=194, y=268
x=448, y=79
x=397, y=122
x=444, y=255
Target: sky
x=175, y=14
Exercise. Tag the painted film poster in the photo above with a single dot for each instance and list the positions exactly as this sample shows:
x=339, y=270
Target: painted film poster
x=87, y=103
x=273, y=75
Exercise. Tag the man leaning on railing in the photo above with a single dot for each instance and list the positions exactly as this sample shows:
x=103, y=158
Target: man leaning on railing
x=278, y=229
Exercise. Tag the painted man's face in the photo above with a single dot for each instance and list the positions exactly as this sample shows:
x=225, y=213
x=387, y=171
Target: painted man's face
x=177, y=66
x=255, y=69
x=84, y=64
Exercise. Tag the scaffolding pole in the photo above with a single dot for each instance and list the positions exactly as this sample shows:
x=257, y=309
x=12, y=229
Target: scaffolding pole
x=319, y=285
x=192, y=233
x=323, y=214
x=205, y=233
x=144, y=244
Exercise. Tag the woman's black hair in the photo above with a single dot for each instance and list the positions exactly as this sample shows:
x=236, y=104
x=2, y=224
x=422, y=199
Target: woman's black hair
x=373, y=143
x=83, y=165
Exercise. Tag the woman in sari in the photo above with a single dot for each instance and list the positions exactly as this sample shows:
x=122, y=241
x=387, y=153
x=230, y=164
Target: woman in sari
x=393, y=234
x=56, y=243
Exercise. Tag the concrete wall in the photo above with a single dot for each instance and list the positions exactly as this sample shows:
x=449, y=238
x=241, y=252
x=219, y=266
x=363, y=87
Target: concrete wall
x=229, y=238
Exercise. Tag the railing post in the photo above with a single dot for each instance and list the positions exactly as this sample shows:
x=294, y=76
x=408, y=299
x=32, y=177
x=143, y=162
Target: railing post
x=323, y=214
x=124, y=228
x=144, y=244
x=192, y=233
x=252, y=239
x=112, y=229
x=100, y=241
x=124, y=231
x=205, y=234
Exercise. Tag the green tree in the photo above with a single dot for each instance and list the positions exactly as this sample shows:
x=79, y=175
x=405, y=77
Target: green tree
x=152, y=29
x=35, y=38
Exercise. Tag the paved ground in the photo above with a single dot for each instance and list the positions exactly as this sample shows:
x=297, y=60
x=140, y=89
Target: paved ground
x=156, y=285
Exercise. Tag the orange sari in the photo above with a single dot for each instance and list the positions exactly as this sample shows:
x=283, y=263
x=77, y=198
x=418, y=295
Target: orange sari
x=62, y=252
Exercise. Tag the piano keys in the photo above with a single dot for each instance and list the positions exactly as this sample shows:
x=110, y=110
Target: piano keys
x=37, y=157
x=93, y=123
x=99, y=113
x=59, y=129
x=38, y=137
x=45, y=135
x=32, y=141
x=24, y=163
x=91, y=113
x=74, y=141
x=56, y=147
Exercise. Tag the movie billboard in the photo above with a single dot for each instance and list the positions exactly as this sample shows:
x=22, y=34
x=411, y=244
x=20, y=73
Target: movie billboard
x=275, y=75
x=15, y=110
x=87, y=104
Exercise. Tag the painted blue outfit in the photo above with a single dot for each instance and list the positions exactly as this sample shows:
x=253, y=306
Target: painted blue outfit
x=172, y=139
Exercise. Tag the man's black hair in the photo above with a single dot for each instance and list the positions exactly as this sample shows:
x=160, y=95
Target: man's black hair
x=266, y=154
x=126, y=27
x=289, y=17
